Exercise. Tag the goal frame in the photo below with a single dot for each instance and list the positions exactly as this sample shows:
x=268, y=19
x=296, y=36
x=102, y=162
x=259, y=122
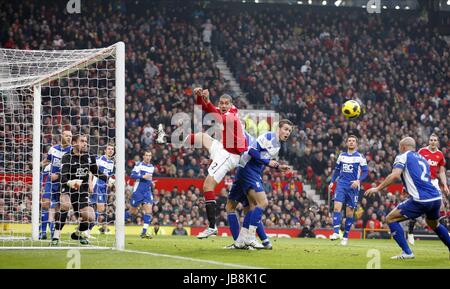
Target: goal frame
x=119, y=52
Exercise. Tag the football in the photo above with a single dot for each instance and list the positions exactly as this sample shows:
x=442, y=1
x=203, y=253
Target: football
x=351, y=109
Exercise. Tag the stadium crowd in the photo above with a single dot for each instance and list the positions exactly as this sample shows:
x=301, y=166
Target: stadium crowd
x=286, y=59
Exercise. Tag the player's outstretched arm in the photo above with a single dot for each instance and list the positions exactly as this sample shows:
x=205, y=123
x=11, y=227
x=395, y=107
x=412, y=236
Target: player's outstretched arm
x=202, y=98
x=394, y=176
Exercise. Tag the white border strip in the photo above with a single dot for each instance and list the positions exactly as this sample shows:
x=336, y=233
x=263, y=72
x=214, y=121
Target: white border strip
x=192, y=259
x=56, y=248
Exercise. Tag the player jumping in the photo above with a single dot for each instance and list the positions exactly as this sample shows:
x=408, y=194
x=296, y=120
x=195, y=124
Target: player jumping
x=225, y=154
x=248, y=187
x=99, y=188
x=351, y=169
x=142, y=191
x=414, y=171
x=50, y=198
x=436, y=160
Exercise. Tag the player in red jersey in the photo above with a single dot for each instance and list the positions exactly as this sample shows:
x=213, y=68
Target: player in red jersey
x=225, y=153
x=436, y=160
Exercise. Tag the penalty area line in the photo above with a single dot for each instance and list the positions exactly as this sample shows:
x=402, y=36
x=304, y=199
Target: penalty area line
x=191, y=259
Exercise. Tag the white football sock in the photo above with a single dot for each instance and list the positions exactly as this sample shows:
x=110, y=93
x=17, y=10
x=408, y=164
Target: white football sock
x=242, y=235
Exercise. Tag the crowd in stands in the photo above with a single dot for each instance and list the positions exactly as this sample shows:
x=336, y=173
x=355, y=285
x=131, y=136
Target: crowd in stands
x=300, y=62
x=306, y=64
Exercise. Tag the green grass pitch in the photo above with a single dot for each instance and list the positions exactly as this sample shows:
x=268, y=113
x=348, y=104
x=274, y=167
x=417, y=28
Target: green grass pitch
x=190, y=253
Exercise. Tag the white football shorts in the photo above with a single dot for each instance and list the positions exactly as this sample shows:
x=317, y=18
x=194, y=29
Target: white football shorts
x=222, y=161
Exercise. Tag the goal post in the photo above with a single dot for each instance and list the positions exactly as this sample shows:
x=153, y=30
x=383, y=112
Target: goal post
x=43, y=93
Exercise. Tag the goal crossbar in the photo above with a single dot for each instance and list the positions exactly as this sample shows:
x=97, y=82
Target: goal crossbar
x=98, y=55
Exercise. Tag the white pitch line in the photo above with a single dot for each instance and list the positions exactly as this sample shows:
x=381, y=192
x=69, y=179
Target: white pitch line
x=191, y=259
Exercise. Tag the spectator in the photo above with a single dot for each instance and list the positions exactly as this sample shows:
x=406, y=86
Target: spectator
x=179, y=230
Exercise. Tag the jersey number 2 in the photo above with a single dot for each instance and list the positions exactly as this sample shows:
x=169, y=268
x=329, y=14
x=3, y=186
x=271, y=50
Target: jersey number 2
x=424, y=172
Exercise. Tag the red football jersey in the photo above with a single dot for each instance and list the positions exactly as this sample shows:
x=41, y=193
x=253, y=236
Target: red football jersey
x=435, y=160
x=233, y=138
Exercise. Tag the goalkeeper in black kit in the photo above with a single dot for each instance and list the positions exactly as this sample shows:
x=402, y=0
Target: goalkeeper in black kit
x=76, y=166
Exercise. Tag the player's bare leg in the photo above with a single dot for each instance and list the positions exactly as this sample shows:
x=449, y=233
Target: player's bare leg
x=199, y=139
x=208, y=187
x=205, y=141
x=62, y=211
x=393, y=219
x=337, y=225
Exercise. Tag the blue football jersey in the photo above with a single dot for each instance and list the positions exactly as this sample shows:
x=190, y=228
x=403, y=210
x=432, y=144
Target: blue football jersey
x=105, y=167
x=138, y=172
x=416, y=177
x=349, y=168
x=267, y=146
x=54, y=155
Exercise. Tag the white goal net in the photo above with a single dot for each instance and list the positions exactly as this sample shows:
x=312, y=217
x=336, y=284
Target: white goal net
x=45, y=98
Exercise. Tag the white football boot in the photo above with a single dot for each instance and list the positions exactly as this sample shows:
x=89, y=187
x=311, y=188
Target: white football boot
x=207, y=233
x=403, y=256
x=161, y=134
x=87, y=234
x=335, y=236
x=254, y=243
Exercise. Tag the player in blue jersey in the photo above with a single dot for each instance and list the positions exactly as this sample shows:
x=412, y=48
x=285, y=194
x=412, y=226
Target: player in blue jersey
x=350, y=170
x=99, y=188
x=414, y=171
x=50, y=198
x=142, y=191
x=248, y=189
